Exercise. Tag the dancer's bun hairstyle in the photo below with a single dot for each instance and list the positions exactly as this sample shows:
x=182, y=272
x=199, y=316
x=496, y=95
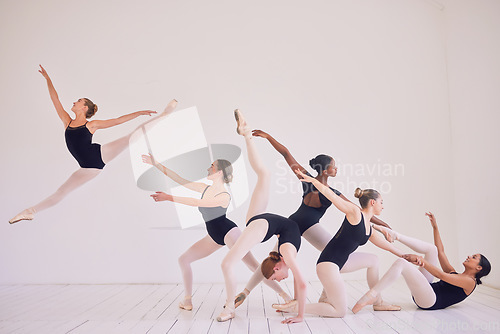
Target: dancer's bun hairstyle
x=320, y=162
x=269, y=263
x=226, y=168
x=92, y=108
x=365, y=196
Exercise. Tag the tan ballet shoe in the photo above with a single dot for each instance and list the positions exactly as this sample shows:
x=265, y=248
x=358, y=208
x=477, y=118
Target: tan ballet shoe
x=226, y=314
x=323, y=298
x=240, y=298
x=386, y=307
x=186, y=304
x=169, y=108
x=368, y=299
x=287, y=307
x=241, y=127
x=27, y=214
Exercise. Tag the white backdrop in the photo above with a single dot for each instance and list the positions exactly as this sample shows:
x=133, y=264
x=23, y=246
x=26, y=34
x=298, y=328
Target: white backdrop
x=368, y=82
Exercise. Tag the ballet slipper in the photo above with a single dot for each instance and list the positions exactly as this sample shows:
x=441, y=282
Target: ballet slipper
x=241, y=127
x=169, y=108
x=386, y=307
x=390, y=235
x=368, y=299
x=27, y=214
x=287, y=307
x=186, y=304
x=240, y=298
x=226, y=314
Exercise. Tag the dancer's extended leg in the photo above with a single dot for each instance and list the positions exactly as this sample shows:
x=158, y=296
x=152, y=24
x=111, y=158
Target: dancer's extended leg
x=202, y=248
x=78, y=178
x=429, y=250
x=420, y=288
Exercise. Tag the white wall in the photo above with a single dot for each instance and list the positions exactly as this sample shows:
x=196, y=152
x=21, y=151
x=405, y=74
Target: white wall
x=364, y=81
x=473, y=45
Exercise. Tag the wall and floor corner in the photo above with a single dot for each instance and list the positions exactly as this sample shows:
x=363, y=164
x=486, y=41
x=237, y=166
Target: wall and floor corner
x=376, y=84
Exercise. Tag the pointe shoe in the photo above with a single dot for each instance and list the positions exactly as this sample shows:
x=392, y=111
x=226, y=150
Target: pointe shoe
x=241, y=128
x=226, y=315
x=27, y=214
x=240, y=298
x=169, y=108
x=287, y=307
x=390, y=235
x=186, y=304
x=368, y=299
x=286, y=297
x=386, y=307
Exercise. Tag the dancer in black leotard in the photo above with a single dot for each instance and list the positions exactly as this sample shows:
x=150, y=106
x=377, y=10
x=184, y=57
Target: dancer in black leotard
x=452, y=287
x=212, y=205
x=259, y=228
x=355, y=231
x=91, y=157
x=313, y=207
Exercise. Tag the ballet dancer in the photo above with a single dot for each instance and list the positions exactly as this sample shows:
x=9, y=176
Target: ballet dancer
x=451, y=288
x=260, y=227
x=212, y=205
x=90, y=156
x=313, y=207
x=354, y=232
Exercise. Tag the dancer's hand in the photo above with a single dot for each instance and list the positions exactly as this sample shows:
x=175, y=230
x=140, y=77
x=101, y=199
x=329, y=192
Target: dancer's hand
x=145, y=112
x=415, y=259
x=43, y=72
x=292, y=320
x=260, y=133
x=432, y=219
x=161, y=196
x=303, y=177
x=148, y=159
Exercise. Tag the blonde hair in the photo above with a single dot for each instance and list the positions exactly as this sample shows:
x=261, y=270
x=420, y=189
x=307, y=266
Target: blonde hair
x=92, y=108
x=269, y=263
x=365, y=196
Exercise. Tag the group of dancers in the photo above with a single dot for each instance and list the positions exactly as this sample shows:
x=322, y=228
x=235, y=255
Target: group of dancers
x=338, y=253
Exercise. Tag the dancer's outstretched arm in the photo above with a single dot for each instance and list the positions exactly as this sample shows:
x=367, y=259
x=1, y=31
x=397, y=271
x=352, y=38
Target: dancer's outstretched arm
x=463, y=281
x=63, y=115
x=351, y=210
x=95, y=125
x=195, y=186
x=220, y=200
x=382, y=243
x=443, y=259
x=290, y=160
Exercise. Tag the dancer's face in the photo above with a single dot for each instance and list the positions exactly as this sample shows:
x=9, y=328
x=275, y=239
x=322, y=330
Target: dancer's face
x=472, y=261
x=331, y=170
x=280, y=272
x=79, y=106
x=212, y=170
x=378, y=205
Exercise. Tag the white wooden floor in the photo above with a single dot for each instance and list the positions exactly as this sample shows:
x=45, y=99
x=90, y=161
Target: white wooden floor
x=154, y=309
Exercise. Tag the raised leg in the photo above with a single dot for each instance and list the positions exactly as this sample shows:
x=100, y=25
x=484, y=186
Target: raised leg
x=78, y=178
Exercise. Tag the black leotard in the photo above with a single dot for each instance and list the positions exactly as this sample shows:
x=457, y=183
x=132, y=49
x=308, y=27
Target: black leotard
x=79, y=143
x=307, y=216
x=287, y=230
x=216, y=221
x=348, y=238
x=446, y=295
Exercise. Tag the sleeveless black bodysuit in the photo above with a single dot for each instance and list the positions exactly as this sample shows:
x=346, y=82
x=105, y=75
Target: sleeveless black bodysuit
x=287, y=230
x=348, y=238
x=216, y=221
x=79, y=143
x=307, y=216
x=446, y=295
